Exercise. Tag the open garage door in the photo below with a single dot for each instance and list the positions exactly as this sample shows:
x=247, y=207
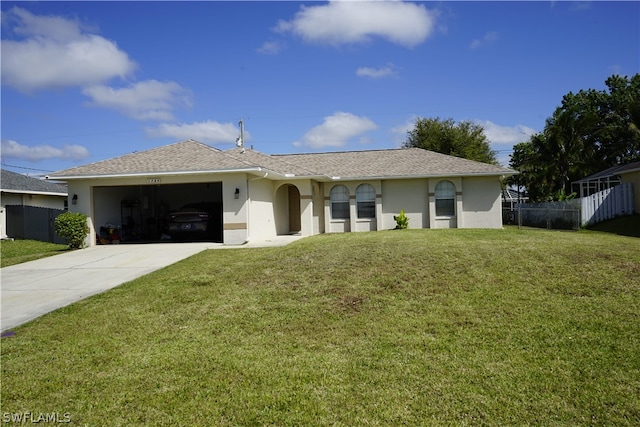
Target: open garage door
x=166, y=212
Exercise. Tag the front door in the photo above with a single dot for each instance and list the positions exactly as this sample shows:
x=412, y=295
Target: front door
x=294, y=209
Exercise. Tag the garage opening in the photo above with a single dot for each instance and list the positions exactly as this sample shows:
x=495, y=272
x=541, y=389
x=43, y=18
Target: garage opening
x=159, y=213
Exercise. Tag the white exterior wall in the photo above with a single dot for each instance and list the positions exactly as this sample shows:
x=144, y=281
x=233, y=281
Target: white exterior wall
x=235, y=211
x=262, y=224
x=306, y=207
x=317, y=194
x=84, y=204
x=262, y=209
x=408, y=194
x=482, y=203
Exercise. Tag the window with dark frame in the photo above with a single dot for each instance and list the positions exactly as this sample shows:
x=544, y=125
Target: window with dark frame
x=339, y=198
x=366, y=201
x=445, y=199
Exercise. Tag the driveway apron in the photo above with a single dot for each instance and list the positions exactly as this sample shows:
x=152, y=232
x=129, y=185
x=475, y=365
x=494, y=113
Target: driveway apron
x=34, y=288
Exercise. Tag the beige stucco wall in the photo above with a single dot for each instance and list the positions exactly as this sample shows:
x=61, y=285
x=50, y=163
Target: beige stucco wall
x=261, y=209
x=481, y=203
x=408, y=194
x=634, y=178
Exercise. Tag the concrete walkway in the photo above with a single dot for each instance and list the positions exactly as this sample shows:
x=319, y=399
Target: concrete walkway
x=34, y=288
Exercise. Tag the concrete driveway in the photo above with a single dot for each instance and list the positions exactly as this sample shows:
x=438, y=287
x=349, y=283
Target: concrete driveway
x=34, y=288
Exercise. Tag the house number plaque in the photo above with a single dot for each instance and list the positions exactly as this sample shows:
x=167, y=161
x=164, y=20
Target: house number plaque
x=154, y=180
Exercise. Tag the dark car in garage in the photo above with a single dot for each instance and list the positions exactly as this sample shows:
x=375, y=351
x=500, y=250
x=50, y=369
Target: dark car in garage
x=194, y=221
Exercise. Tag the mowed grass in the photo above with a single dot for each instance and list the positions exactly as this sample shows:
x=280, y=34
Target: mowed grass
x=411, y=327
x=18, y=251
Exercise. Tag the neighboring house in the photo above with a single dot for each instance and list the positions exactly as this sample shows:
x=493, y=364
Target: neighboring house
x=260, y=196
x=512, y=197
x=608, y=178
x=22, y=190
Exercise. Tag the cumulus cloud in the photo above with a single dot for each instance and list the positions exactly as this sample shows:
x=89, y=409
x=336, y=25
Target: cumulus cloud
x=335, y=131
x=53, y=52
x=146, y=100
x=503, y=138
x=509, y=135
x=487, y=38
x=377, y=73
x=345, y=22
x=14, y=150
x=207, y=131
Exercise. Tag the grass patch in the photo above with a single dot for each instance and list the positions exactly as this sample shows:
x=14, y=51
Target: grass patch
x=18, y=251
x=411, y=327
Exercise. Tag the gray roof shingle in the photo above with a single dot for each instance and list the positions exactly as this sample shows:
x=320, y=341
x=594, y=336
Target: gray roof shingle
x=193, y=156
x=401, y=162
x=15, y=182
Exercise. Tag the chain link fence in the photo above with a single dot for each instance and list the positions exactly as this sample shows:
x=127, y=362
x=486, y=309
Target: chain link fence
x=552, y=215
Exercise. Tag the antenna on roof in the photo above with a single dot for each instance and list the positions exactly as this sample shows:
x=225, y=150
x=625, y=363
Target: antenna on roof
x=240, y=139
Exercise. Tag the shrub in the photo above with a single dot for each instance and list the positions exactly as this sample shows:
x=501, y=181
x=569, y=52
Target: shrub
x=72, y=226
x=402, y=221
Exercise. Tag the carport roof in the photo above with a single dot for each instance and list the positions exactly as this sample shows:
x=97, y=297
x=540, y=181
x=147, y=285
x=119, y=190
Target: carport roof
x=194, y=157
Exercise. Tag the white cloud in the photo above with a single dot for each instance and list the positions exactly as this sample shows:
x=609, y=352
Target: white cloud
x=336, y=130
x=487, y=38
x=503, y=138
x=377, y=73
x=57, y=52
x=270, y=48
x=399, y=133
x=147, y=100
x=15, y=150
x=508, y=135
x=344, y=22
x=208, y=131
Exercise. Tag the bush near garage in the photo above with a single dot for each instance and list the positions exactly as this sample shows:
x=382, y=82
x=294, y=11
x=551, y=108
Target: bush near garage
x=72, y=226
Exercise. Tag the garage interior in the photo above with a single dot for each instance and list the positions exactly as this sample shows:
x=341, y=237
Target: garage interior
x=139, y=213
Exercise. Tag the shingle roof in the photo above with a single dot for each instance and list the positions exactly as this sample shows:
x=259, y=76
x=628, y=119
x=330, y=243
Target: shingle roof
x=192, y=156
x=401, y=162
x=186, y=156
x=15, y=182
x=612, y=171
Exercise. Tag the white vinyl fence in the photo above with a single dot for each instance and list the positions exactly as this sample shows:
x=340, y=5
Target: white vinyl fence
x=607, y=204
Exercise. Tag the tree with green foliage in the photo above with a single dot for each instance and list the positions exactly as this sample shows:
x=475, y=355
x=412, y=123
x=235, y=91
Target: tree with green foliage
x=590, y=131
x=464, y=139
x=72, y=226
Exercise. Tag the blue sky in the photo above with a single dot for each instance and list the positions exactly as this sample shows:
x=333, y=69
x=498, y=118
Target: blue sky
x=88, y=81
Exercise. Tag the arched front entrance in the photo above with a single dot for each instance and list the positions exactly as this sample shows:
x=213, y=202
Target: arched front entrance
x=287, y=210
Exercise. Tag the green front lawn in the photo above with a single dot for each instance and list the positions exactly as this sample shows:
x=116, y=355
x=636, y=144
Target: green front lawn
x=18, y=251
x=406, y=327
